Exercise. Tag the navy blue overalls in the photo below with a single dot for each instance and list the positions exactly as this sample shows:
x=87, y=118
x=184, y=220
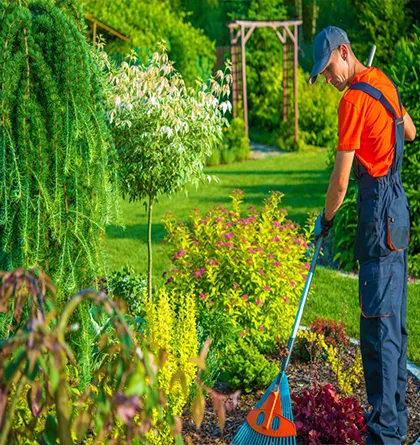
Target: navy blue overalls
x=381, y=247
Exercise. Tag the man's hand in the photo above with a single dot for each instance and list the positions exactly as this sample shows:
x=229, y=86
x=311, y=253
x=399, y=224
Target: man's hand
x=322, y=226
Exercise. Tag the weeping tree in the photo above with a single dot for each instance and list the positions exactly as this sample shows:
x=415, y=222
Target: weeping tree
x=56, y=153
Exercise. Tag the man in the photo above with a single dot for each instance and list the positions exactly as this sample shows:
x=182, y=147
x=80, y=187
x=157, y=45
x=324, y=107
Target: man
x=372, y=128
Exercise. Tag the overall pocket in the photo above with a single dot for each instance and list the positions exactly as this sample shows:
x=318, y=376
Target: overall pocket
x=376, y=289
x=398, y=225
x=366, y=244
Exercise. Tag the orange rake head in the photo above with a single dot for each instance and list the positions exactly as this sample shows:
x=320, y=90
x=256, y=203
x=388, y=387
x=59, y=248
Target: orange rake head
x=269, y=420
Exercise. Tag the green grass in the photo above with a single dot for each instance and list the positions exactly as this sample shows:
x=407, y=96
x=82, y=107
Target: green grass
x=303, y=178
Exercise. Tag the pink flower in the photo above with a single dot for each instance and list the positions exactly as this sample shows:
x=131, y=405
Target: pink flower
x=236, y=286
x=276, y=239
x=292, y=283
x=262, y=328
x=199, y=273
x=179, y=255
x=261, y=272
x=212, y=261
x=230, y=245
x=270, y=255
x=277, y=264
x=203, y=296
x=267, y=288
x=286, y=300
x=245, y=297
x=307, y=266
x=231, y=213
x=242, y=334
x=249, y=260
x=258, y=302
x=229, y=224
x=204, y=221
x=169, y=280
x=251, y=250
x=218, y=218
x=228, y=235
x=276, y=224
x=226, y=308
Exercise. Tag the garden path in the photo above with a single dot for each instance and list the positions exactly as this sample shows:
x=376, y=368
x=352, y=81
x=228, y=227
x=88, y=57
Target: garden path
x=261, y=151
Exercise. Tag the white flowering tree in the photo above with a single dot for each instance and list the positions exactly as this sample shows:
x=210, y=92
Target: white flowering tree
x=163, y=130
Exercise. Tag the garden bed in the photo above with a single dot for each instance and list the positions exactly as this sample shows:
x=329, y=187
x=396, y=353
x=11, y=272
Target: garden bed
x=299, y=375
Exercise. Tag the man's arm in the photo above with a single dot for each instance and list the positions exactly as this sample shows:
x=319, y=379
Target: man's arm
x=409, y=128
x=339, y=182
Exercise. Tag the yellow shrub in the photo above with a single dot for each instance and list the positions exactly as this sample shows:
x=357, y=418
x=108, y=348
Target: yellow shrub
x=171, y=327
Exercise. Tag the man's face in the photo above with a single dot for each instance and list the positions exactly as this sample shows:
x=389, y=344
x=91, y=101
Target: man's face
x=336, y=72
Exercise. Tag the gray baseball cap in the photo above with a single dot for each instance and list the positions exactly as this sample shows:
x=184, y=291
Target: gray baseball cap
x=326, y=42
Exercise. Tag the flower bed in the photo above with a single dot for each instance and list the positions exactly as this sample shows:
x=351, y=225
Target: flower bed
x=299, y=376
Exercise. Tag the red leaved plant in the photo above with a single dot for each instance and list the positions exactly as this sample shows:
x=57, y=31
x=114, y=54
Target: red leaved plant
x=322, y=417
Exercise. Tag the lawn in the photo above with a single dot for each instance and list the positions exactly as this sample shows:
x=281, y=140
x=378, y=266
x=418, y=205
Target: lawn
x=303, y=178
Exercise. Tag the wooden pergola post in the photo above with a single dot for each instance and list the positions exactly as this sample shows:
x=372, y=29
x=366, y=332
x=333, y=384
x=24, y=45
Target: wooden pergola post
x=244, y=35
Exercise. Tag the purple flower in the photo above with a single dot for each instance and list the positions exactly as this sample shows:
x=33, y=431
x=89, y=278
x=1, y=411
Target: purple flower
x=179, y=255
x=267, y=288
x=199, y=273
x=169, y=280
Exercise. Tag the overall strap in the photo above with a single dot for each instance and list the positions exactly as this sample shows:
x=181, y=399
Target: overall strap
x=376, y=94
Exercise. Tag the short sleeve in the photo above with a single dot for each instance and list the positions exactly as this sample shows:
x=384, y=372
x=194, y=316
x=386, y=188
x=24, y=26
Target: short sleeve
x=350, y=126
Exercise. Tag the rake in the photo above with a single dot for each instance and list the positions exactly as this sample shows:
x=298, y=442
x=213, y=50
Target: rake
x=271, y=421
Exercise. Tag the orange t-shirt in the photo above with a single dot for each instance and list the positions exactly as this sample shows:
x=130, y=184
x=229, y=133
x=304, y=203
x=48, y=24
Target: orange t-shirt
x=366, y=126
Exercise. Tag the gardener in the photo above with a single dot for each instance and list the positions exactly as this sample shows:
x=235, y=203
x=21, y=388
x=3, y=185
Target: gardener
x=372, y=128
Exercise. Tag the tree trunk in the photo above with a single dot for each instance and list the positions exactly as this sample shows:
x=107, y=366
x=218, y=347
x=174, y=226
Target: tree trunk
x=149, y=247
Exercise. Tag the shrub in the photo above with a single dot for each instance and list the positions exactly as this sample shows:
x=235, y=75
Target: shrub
x=171, y=330
x=347, y=368
x=247, y=273
x=322, y=417
x=235, y=145
x=129, y=287
x=333, y=331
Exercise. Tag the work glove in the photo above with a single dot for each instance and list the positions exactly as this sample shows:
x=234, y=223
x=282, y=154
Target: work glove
x=322, y=226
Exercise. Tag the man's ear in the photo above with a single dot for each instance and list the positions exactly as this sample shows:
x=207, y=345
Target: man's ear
x=344, y=52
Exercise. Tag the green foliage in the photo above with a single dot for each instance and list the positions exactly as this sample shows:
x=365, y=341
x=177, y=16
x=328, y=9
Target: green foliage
x=235, y=146
x=372, y=14
x=171, y=331
x=247, y=273
x=122, y=402
x=318, y=104
x=130, y=287
x=56, y=156
x=148, y=23
x=406, y=72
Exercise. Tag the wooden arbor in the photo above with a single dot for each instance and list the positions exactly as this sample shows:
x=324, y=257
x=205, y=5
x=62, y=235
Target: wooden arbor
x=96, y=23
x=283, y=32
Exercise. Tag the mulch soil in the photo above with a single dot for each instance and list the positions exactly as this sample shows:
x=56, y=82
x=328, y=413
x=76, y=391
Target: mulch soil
x=300, y=375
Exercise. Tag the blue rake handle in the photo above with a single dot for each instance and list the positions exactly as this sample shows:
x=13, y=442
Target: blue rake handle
x=299, y=314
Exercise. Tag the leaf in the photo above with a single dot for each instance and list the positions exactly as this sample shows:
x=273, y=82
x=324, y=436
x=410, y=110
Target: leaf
x=201, y=360
x=180, y=377
x=50, y=434
x=81, y=424
x=35, y=396
x=198, y=407
x=135, y=385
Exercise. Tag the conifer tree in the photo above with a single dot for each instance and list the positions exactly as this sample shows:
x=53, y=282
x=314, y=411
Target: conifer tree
x=57, y=169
